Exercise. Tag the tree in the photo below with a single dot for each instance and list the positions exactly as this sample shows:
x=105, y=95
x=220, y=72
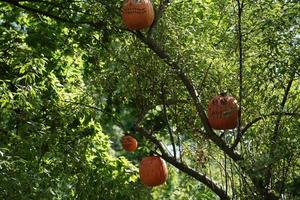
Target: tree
x=159, y=81
x=50, y=148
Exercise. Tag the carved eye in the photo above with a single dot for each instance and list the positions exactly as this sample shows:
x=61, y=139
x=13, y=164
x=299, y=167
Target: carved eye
x=215, y=101
x=223, y=101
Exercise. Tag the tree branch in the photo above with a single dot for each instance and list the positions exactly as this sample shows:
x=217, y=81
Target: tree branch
x=168, y=102
x=151, y=138
x=118, y=121
x=276, y=133
x=167, y=121
x=283, y=102
x=158, y=14
x=241, y=63
x=52, y=16
x=182, y=167
x=250, y=124
x=210, y=134
x=198, y=176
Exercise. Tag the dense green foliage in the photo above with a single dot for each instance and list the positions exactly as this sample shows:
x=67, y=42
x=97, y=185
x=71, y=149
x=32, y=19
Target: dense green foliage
x=73, y=80
x=52, y=148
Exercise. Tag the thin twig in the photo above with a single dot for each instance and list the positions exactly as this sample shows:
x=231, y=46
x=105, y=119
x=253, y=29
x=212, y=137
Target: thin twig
x=178, y=135
x=167, y=120
x=118, y=121
x=250, y=124
x=204, y=77
x=276, y=133
x=241, y=62
x=151, y=138
x=52, y=16
x=226, y=174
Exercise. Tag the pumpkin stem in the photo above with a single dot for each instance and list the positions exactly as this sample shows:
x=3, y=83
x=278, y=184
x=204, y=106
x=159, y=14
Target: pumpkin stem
x=152, y=153
x=223, y=93
x=130, y=2
x=135, y=1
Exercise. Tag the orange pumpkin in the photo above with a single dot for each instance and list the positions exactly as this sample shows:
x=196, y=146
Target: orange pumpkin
x=153, y=171
x=129, y=143
x=223, y=112
x=137, y=14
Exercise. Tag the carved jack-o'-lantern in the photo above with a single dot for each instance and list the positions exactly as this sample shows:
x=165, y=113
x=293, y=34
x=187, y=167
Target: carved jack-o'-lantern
x=129, y=143
x=137, y=14
x=223, y=112
x=153, y=171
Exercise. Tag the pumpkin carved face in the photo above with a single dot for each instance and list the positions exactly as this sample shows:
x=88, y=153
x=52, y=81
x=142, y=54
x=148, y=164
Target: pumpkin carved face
x=129, y=143
x=153, y=171
x=137, y=14
x=223, y=112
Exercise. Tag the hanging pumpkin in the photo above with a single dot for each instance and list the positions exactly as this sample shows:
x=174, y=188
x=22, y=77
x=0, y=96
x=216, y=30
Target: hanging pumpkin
x=223, y=112
x=137, y=14
x=153, y=171
x=129, y=143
